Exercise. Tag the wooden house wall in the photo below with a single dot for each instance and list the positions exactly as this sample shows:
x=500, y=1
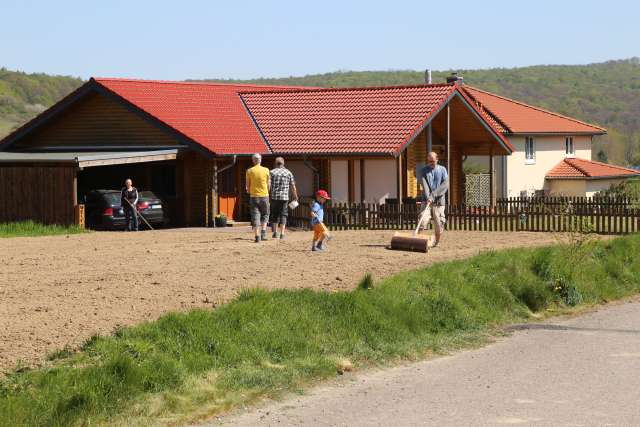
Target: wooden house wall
x=96, y=120
x=44, y=194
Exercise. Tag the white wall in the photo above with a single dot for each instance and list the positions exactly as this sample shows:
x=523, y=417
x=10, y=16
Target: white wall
x=549, y=151
x=339, y=180
x=580, y=187
x=303, y=176
x=380, y=180
x=567, y=187
x=596, y=185
x=356, y=180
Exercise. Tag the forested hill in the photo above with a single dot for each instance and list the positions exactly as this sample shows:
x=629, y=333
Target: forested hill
x=605, y=93
x=23, y=96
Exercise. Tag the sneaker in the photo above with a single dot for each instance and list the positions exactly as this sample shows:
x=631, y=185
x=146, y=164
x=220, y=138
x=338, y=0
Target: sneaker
x=263, y=235
x=281, y=236
x=275, y=235
x=257, y=239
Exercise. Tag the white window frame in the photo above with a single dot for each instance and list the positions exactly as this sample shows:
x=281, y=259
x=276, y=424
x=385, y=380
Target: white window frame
x=529, y=152
x=569, y=147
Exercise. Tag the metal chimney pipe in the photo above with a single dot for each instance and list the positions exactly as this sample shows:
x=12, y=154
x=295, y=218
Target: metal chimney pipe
x=427, y=76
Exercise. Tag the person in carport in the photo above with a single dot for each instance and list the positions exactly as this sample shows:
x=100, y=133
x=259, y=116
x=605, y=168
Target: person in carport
x=129, y=200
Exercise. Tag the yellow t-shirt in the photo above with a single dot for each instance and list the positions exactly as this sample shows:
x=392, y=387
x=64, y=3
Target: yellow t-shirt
x=258, y=181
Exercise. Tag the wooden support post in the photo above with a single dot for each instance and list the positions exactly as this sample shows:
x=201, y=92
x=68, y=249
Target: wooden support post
x=362, y=180
x=492, y=179
x=452, y=184
x=74, y=188
x=351, y=180
x=399, y=175
x=214, y=193
x=429, y=138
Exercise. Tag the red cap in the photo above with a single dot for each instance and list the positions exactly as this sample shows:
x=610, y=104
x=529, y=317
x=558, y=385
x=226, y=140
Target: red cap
x=323, y=194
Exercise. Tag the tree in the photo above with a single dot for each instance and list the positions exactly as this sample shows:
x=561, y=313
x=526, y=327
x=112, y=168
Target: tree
x=602, y=156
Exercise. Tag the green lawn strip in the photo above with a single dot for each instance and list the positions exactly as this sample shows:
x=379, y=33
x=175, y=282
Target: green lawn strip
x=30, y=228
x=188, y=365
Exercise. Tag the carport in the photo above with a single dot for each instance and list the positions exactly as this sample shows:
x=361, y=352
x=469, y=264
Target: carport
x=49, y=187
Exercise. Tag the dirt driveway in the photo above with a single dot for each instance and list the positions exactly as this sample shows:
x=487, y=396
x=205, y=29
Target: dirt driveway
x=60, y=290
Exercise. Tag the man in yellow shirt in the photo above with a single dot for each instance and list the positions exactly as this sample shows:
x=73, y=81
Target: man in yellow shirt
x=258, y=184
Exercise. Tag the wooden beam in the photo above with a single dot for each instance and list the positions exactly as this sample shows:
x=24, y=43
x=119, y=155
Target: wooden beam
x=127, y=160
x=399, y=178
x=351, y=178
x=214, y=192
x=448, y=142
x=492, y=180
x=362, y=180
x=429, y=138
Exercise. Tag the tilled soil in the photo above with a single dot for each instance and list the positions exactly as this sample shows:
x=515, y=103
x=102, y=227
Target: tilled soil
x=58, y=291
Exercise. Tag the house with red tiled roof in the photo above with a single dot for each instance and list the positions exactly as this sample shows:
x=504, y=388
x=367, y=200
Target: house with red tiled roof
x=191, y=143
x=581, y=177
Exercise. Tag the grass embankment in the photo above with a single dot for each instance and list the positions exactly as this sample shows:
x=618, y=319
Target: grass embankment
x=30, y=228
x=183, y=366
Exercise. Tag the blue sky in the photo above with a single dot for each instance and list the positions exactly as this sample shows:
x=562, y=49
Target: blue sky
x=244, y=39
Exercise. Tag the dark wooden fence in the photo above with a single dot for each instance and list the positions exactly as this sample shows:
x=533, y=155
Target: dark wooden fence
x=599, y=215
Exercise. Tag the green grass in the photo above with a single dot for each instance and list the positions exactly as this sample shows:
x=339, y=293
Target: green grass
x=189, y=365
x=30, y=228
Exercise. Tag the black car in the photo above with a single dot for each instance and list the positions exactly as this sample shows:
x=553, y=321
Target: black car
x=103, y=210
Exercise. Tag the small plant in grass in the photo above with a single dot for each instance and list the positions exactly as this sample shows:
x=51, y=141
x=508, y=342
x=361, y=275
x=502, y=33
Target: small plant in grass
x=366, y=283
x=566, y=290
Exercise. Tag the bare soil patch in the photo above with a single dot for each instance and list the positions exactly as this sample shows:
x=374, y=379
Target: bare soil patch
x=59, y=290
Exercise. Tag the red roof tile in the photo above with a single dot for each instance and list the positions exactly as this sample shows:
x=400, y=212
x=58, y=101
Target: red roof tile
x=518, y=117
x=581, y=168
x=210, y=114
x=353, y=120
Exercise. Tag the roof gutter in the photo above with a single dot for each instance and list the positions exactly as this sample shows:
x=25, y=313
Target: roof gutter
x=316, y=173
x=229, y=166
x=591, y=178
x=555, y=133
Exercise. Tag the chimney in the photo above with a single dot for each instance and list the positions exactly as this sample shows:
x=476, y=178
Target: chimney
x=427, y=76
x=454, y=78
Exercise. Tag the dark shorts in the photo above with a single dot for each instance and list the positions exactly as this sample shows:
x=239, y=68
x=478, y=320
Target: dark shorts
x=279, y=211
x=259, y=207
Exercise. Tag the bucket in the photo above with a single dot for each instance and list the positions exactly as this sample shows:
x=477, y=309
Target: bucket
x=293, y=204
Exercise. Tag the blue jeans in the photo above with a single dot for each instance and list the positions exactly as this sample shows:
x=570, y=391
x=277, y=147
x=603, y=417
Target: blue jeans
x=131, y=218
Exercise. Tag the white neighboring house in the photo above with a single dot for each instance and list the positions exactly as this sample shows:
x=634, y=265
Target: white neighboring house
x=579, y=177
x=552, y=153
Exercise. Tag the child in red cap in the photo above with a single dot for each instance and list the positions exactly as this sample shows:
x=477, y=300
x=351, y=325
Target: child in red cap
x=320, y=231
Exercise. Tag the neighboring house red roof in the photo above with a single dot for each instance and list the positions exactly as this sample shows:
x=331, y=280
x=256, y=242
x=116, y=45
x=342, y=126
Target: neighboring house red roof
x=588, y=169
x=349, y=120
x=210, y=114
x=518, y=117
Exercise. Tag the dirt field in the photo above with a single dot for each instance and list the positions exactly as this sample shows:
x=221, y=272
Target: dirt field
x=57, y=291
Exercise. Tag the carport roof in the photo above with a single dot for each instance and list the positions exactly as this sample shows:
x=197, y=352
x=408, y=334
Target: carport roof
x=89, y=159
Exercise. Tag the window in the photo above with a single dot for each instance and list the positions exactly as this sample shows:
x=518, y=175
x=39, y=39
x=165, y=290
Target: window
x=529, y=150
x=569, y=150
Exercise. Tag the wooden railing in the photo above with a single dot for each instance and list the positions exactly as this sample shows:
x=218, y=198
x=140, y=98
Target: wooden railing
x=598, y=215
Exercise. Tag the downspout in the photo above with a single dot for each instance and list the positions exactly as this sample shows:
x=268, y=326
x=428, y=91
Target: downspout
x=316, y=173
x=216, y=172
